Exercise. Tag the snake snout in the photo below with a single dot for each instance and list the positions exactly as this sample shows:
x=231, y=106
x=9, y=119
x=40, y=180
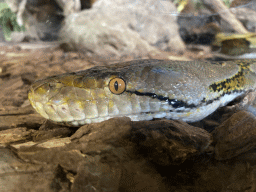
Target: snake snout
x=38, y=96
x=72, y=105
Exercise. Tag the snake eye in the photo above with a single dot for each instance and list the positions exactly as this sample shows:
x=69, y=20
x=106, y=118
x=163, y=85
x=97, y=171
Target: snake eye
x=117, y=85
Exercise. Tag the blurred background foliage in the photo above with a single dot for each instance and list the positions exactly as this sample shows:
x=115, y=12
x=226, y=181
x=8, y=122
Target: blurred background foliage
x=8, y=21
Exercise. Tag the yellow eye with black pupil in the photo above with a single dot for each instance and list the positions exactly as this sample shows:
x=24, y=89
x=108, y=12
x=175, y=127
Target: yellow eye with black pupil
x=117, y=85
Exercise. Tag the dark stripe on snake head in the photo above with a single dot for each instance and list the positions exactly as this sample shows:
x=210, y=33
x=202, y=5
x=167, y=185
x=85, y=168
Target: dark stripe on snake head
x=173, y=102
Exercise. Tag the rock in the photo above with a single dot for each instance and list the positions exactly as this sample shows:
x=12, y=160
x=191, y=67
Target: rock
x=51, y=143
x=235, y=136
x=140, y=175
x=164, y=142
x=122, y=28
x=168, y=142
x=66, y=158
x=225, y=176
x=101, y=156
x=49, y=130
x=29, y=121
x=120, y=155
x=14, y=135
x=17, y=175
x=96, y=177
x=129, y=175
x=99, y=136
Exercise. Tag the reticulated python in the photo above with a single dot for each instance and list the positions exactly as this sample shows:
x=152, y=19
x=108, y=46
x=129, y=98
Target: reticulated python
x=142, y=90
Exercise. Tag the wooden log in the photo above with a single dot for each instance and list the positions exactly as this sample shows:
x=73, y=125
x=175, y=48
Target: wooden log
x=217, y=6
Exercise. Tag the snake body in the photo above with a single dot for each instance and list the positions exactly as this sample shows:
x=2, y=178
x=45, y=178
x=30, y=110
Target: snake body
x=142, y=90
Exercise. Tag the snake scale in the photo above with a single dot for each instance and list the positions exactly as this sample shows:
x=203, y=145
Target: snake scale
x=142, y=90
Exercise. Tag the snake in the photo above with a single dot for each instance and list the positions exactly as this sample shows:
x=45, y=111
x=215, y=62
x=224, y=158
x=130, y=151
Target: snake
x=142, y=90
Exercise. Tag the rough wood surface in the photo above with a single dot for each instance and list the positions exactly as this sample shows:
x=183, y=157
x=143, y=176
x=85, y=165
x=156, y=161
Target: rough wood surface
x=217, y=6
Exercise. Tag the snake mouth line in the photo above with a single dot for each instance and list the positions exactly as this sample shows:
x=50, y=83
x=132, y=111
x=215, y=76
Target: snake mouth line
x=180, y=104
x=173, y=102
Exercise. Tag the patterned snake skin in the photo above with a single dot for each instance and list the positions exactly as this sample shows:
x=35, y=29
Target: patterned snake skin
x=142, y=90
